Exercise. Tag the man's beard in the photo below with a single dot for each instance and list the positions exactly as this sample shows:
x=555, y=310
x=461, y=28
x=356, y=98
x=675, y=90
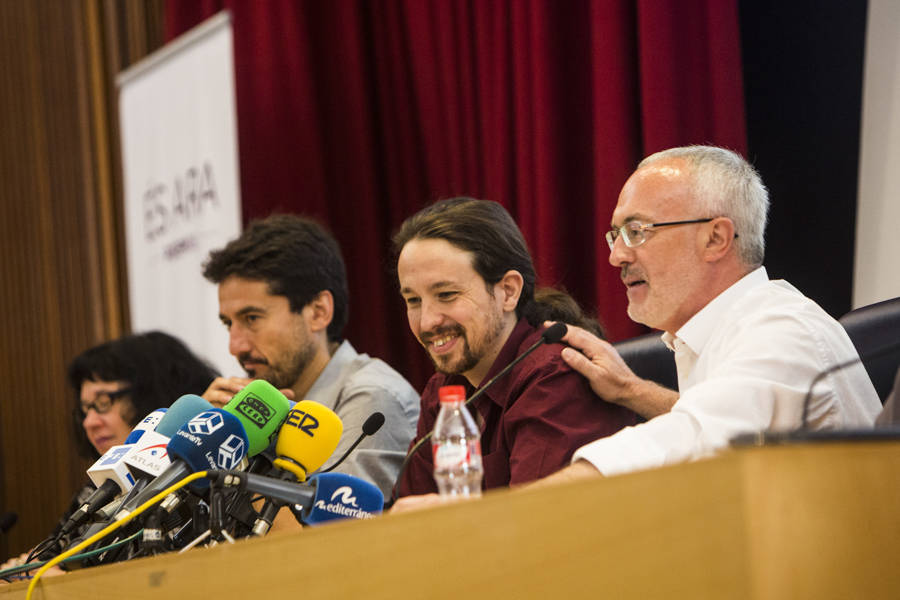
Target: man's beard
x=287, y=367
x=471, y=356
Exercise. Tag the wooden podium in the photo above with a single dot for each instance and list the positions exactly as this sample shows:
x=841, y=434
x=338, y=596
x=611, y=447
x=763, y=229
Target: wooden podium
x=805, y=521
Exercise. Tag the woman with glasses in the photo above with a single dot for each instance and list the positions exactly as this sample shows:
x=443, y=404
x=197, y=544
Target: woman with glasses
x=118, y=383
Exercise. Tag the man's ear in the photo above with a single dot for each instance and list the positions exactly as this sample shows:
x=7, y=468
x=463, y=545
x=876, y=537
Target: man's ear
x=510, y=289
x=319, y=311
x=719, y=239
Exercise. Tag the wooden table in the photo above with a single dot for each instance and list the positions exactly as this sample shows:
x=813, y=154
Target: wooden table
x=805, y=521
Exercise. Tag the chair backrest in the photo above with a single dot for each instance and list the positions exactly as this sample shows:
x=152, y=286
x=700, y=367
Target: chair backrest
x=875, y=331
x=649, y=358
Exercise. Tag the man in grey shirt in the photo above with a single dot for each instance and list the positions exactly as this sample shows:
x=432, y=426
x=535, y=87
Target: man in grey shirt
x=283, y=297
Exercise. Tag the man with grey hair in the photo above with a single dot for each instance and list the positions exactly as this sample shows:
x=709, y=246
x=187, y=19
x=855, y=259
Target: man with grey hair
x=688, y=236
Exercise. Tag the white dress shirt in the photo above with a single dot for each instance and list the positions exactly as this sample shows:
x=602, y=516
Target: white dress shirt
x=745, y=363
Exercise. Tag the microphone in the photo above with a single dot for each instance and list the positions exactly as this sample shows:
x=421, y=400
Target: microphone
x=370, y=427
x=111, y=476
x=182, y=410
x=260, y=408
x=110, y=473
x=310, y=434
x=146, y=459
x=342, y=496
x=325, y=497
x=148, y=423
x=804, y=434
x=149, y=456
x=270, y=487
x=551, y=335
x=7, y=520
x=214, y=439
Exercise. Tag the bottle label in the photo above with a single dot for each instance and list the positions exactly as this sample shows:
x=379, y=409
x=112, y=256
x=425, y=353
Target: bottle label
x=449, y=455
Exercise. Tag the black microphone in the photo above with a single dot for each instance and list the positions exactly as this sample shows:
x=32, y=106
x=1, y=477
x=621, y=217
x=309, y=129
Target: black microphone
x=551, y=335
x=285, y=492
x=7, y=520
x=804, y=434
x=372, y=424
x=107, y=491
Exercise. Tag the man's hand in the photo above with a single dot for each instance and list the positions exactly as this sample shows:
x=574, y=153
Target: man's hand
x=18, y=561
x=413, y=503
x=611, y=378
x=15, y=561
x=580, y=469
x=223, y=389
x=598, y=361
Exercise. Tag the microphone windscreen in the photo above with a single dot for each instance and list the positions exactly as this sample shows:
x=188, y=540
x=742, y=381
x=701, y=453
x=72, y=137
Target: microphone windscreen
x=308, y=437
x=373, y=423
x=148, y=423
x=342, y=496
x=214, y=439
x=112, y=466
x=149, y=455
x=182, y=410
x=554, y=333
x=7, y=520
x=261, y=408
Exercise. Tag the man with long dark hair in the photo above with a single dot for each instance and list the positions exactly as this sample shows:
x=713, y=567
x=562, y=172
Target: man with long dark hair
x=470, y=290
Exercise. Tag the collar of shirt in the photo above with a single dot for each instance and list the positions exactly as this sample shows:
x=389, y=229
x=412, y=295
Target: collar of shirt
x=499, y=392
x=694, y=334
x=327, y=386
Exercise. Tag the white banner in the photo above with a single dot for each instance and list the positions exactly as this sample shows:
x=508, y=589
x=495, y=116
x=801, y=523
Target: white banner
x=876, y=277
x=181, y=184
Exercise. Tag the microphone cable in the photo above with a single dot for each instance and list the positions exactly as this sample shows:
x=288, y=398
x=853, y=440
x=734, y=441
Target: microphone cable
x=370, y=427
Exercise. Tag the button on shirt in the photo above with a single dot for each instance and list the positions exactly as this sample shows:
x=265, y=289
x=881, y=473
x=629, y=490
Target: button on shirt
x=745, y=364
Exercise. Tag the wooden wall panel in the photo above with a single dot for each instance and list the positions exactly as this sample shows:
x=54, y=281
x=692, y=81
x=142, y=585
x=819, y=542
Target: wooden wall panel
x=62, y=272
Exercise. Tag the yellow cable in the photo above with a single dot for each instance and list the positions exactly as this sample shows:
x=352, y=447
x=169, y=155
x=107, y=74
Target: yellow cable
x=110, y=528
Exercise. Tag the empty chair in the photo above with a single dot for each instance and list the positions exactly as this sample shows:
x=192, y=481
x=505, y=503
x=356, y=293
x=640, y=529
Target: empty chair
x=649, y=358
x=875, y=331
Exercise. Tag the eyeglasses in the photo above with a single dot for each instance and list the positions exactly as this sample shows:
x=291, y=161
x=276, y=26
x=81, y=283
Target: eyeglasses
x=104, y=401
x=634, y=232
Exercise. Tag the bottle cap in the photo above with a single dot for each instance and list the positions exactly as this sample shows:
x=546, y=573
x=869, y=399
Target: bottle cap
x=452, y=393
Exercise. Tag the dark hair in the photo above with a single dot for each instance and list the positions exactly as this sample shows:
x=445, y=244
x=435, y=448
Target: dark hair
x=158, y=368
x=295, y=256
x=487, y=230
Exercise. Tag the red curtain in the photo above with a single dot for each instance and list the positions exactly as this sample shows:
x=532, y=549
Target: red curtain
x=361, y=112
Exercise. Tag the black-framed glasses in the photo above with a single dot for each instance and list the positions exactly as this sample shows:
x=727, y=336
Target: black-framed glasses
x=104, y=401
x=634, y=233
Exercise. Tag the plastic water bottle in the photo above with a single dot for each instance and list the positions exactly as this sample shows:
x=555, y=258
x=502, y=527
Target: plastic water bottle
x=456, y=446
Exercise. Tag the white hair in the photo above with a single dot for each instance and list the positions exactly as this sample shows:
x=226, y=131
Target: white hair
x=726, y=185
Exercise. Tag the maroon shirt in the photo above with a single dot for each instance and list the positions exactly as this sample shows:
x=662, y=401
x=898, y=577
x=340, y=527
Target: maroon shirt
x=531, y=420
